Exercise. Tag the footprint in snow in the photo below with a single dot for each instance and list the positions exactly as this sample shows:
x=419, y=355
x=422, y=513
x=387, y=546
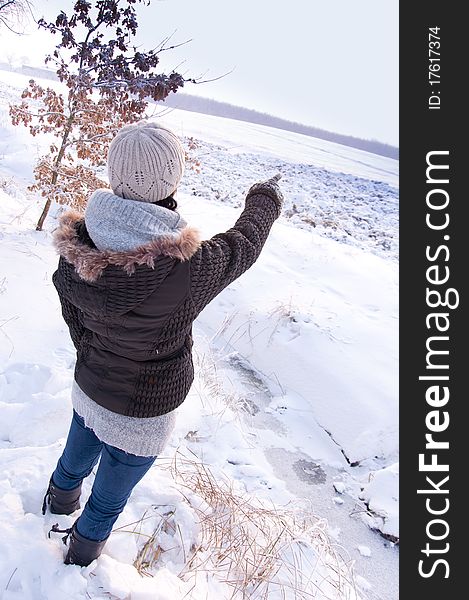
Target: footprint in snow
x=20, y=381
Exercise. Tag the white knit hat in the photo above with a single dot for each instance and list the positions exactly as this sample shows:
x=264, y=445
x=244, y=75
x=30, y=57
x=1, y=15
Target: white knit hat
x=145, y=162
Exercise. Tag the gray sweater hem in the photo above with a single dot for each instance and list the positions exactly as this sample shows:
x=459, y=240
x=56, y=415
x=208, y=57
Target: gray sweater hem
x=142, y=437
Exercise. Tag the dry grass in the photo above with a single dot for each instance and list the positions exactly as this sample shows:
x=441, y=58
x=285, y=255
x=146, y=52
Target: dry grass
x=151, y=551
x=259, y=552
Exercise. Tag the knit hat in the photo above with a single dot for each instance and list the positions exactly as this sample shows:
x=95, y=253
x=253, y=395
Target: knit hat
x=145, y=162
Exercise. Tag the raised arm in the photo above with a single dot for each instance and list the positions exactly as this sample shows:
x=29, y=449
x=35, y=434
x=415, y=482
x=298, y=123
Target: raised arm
x=223, y=258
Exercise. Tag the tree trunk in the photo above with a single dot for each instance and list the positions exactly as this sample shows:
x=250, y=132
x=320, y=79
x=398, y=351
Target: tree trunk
x=43, y=216
x=55, y=174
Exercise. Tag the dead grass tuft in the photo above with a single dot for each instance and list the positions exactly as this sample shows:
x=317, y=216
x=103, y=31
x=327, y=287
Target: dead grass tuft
x=260, y=552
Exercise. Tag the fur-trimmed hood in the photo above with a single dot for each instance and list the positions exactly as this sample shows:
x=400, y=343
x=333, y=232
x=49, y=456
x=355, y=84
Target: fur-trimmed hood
x=89, y=262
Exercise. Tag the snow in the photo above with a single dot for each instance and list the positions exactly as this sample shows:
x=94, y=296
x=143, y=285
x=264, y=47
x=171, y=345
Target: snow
x=339, y=487
x=382, y=497
x=295, y=396
x=364, y=551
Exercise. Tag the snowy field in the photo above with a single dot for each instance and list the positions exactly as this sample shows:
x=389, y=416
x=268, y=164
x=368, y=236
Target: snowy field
x=295, y=398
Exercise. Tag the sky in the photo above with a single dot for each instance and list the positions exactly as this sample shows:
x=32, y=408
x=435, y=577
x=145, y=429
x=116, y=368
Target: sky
x=332, y=64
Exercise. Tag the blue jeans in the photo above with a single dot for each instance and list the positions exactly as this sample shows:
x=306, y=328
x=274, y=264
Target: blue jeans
x=117, y=475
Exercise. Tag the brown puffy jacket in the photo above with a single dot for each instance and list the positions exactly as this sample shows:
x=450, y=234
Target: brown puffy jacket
x=130, y=314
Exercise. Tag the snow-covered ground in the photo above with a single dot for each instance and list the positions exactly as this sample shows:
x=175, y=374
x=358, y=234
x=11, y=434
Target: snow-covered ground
x=295, y=398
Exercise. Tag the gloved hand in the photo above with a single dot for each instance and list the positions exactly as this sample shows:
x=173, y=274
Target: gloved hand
x=268, y=188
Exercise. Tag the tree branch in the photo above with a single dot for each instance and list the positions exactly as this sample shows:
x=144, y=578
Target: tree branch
x=5, y=22
x=14, y=9
x=39, y=115
x=5, y=5
x=164, y=49
x=88, y=140
x=124, y=83
x=64, y=174
x=197, y=81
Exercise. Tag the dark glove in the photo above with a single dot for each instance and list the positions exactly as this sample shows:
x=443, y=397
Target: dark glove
x=268, y=188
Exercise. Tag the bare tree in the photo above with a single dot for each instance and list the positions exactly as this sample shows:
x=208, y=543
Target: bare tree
x=14, y=13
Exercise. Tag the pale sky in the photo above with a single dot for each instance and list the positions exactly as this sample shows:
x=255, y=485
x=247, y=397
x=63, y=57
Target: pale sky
x=332, y=64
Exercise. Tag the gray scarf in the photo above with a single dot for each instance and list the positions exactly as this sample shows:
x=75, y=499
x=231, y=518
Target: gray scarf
x=118, y=224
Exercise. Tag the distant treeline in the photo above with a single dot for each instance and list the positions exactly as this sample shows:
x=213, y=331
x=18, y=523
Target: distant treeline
x=223, y=109
x=216, y=108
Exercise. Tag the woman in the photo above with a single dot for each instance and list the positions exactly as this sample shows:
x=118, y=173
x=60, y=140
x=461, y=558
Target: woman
x=132, y=277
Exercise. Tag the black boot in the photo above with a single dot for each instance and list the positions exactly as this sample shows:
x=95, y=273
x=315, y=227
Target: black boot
x=81, y=550
x=61, y=502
